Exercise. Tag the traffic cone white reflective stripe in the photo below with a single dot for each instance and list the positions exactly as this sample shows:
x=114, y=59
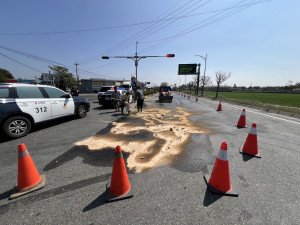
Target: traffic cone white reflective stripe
x=223, y=155
x=23, y=154
x=253, y=131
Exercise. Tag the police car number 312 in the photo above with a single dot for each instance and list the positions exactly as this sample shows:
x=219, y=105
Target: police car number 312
x=24, y=105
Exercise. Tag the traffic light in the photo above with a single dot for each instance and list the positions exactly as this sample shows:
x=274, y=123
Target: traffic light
x=105, y=57
x=170, y=55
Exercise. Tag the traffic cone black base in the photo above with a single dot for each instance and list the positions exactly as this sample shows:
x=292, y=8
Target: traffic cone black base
x=110, y=198
x=231, y=193
x=17, y=193
x=257, y=156
x=241, y=127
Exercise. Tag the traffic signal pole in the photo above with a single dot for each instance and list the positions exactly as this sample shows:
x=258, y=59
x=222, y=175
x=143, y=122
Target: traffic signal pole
x=136, y=59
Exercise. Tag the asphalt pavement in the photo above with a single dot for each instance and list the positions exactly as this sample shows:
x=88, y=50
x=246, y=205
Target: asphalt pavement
x=268, y=188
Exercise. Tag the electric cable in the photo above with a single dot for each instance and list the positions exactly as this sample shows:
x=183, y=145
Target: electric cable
x=6, y=56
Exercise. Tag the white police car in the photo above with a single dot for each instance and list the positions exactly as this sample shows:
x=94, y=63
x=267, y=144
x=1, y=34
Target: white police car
x=23, y=105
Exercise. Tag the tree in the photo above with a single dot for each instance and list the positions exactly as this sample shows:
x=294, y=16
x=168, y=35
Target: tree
x=64, y=79
x=164, y=84
x=5, y=75
x=204, y=81
x=220, y=78
x=191, y=86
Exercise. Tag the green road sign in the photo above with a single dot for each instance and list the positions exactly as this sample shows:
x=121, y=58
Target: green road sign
x=186, y=69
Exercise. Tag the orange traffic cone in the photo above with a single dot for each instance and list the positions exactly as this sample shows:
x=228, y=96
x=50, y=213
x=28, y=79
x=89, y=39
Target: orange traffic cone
x=242, y=121
x=219, y=181
x=197, y=99
x=29, y=179
x=119, y=185
x=219, y=107
x=251, y=147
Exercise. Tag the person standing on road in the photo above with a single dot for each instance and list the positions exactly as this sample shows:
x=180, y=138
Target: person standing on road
x=126, y=103
x=140, y=98
x=133, y=94
x=116, y=97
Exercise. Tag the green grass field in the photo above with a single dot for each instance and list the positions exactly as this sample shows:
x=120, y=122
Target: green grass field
x=273, y=101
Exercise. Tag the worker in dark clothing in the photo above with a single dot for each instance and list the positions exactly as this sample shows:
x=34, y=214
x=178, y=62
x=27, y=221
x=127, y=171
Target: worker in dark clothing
x=140, y=99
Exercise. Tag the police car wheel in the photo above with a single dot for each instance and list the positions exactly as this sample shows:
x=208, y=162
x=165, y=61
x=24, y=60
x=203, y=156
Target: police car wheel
x=81, y=111
x=17, y=127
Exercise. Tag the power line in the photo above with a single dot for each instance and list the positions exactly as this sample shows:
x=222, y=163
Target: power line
x=128, y=41
x=20, y=63
x=155, y=28
x=161, y=25
x=205, y=23
x=152, y=27
x=49, y=61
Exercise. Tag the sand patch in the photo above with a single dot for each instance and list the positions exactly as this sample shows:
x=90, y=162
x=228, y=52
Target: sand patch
x=152, y=138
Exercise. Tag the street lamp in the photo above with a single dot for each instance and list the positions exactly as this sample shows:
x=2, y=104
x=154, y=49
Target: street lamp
x=205, y=58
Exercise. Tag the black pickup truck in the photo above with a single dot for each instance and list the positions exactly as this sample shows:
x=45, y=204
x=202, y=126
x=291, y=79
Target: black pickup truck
x=165, y=94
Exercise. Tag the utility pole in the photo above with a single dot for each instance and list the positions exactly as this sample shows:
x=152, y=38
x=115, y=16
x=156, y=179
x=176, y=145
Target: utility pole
x=203, y=83
x=136, y=62
x=76, y=64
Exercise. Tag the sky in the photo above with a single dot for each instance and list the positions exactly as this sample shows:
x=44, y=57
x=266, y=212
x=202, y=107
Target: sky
x=257, y=41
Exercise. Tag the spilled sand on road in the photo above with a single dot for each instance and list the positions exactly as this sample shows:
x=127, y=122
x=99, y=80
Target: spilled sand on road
x=152, y=137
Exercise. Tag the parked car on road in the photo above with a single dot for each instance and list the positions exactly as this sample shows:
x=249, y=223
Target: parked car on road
x=105, y=99
x=103, y=89
x=24, y=105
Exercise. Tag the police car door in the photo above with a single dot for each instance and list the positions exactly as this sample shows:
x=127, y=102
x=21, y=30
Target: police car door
x=31, y=101
x=61, y=102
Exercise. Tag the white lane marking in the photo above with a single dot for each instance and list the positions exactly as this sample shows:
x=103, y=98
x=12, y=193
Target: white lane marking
x=274, y=117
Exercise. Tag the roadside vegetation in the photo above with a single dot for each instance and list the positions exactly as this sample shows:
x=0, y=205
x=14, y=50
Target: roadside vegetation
x=270, y=101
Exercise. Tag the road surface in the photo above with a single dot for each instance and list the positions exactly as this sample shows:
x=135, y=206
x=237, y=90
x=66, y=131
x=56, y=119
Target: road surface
x=166, y=178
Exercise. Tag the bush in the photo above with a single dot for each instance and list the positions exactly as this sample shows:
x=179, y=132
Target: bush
x=150, y=92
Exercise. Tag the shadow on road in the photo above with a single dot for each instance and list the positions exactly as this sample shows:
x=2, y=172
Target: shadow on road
x=247, y=157
x=99, y=201
x=103, y=158
x=210, y=198
x=18, y=203
x=41, y=126
x=4, y=138
x=6, y=194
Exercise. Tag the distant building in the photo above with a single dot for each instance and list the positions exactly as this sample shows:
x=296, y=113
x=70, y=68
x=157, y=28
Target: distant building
x=49, y=79
x=93, y=85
